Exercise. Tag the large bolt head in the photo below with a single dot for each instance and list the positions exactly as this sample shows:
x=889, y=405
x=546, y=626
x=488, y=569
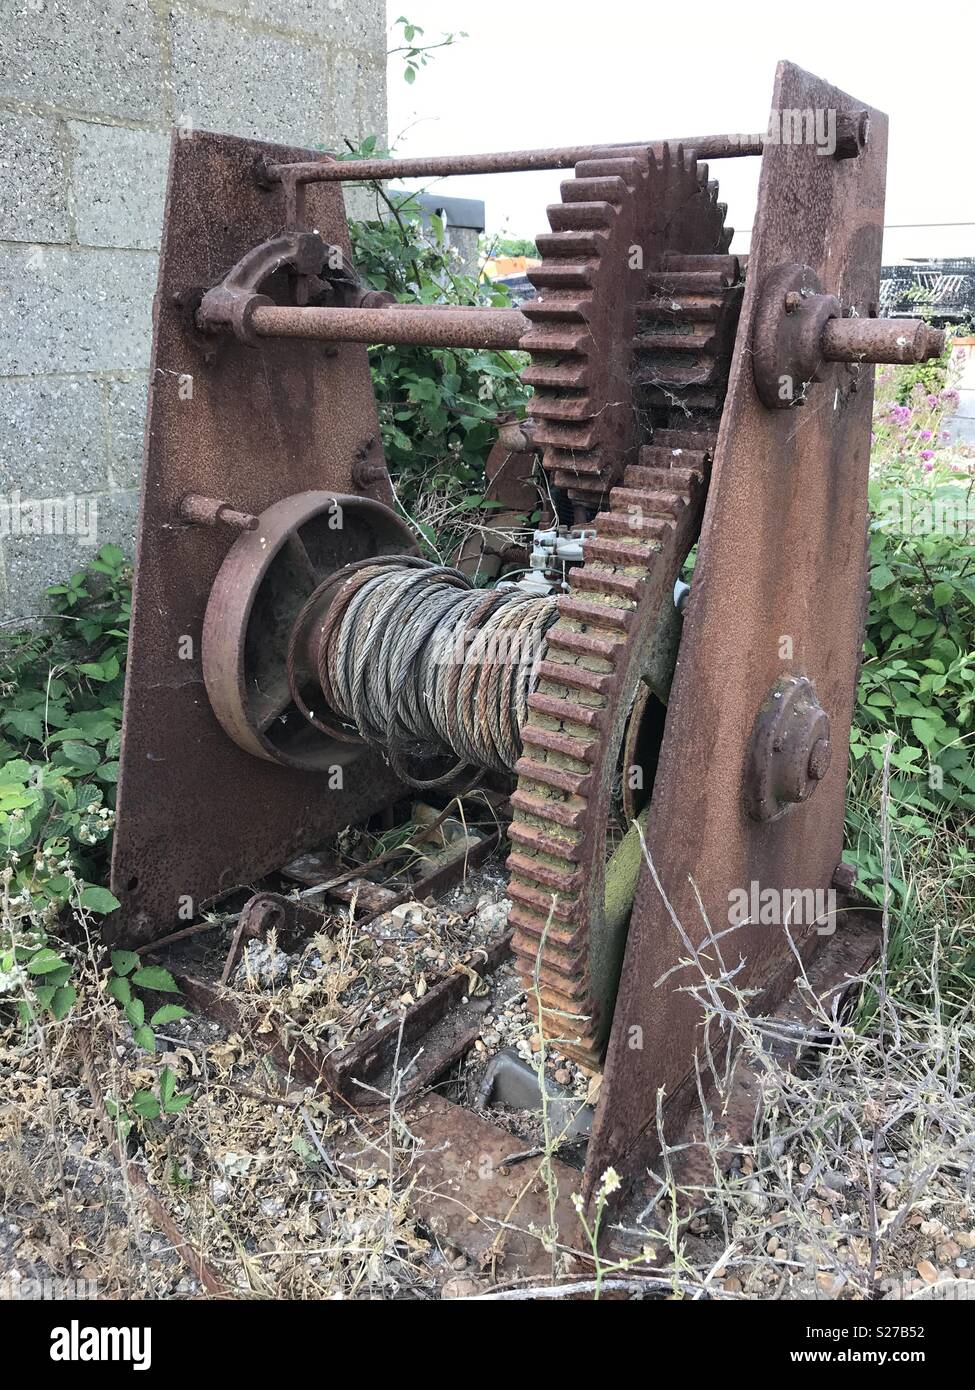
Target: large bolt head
x=790, y=749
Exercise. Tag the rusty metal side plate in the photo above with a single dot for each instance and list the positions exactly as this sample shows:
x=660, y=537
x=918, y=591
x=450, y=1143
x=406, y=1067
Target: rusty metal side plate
x=781, y=555
x=463, y=1189
x=197, y=815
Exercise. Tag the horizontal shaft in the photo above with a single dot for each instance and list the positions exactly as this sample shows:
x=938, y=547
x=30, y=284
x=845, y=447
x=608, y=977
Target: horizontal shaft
x=328, y=170
x=881, y=340
x=408, y=324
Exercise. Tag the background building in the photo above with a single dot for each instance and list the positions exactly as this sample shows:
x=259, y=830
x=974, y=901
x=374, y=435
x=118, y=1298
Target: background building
x=89, y=93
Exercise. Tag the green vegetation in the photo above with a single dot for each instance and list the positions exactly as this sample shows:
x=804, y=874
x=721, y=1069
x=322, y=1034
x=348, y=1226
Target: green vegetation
x=437, y=406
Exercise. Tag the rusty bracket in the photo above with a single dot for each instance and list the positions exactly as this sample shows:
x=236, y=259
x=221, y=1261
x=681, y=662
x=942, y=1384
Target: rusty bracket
x=799, y=329
x=266, y=912
x=321, y=269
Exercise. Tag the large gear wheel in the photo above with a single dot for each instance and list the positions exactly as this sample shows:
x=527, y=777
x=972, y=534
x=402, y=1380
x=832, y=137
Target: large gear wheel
x=606, y=343
x=628, y=423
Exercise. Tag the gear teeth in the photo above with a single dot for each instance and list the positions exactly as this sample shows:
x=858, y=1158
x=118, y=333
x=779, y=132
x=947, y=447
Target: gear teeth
x=571, y=244
x=694, y=341
x=665, y=308
x=579, y=643
x=555, y=741
x=679, y=282
x=544, y=900
x=729, y=266
x=609, y=188
x=605, y=580
x=557, y=307
x=647, y=511
x=560, y=376
x=542, y=842
x=677, y=378
x=573, y=783
x=550, y=913
x=578, y=216
x=620, y=552
x=566, y=711
x=566, y=881
x=545, y=809
x=632, y=524
x=557, y=276
x=694, y=440
x=574, y=677
x=634, y=499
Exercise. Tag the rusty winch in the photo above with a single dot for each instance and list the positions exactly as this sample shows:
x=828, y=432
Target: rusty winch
x=295, y=666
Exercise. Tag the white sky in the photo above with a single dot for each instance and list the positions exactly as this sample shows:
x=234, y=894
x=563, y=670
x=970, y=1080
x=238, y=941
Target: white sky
x=566, y=72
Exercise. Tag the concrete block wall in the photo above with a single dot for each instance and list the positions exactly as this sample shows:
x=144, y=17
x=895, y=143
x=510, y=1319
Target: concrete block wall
x=89, y=93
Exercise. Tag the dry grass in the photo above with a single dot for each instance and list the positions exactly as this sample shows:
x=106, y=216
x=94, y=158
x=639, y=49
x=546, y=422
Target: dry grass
x=856, y=1182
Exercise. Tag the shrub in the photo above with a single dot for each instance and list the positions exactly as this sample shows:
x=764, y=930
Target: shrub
x=59, y=744
x=437, y=406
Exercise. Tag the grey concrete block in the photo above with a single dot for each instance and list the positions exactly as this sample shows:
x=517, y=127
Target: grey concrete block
x=118, y=181
x=98, y=56
x=52, y=437
x=348, y=23
x=33, y=562
x=225, y=78
x=34, y=202
x=74, y=310
x=126, y=407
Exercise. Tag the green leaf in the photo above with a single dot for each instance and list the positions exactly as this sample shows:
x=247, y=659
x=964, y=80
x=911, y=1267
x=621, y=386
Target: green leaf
x=169, y=1013
x=63, y=1000
x=146, y=1038
x=16, y=770
x=124, y=962
x=80, y=755
x=44, y=962
x=145, y=1105
x=942, y=594
x=923, y=731
x=26, y=722
x=167, y=1085
x=98, y=899
x=177, y=1104
x=119, y=989
x=155, y=977
x=135, y=1012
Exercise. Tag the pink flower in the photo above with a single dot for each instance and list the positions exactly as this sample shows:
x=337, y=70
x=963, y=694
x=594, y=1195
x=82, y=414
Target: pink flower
x=927, y=454
x=925, y=434
x=932, y=400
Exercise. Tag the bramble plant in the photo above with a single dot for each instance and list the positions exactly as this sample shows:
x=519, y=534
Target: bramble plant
x=148, y=1105
x=59, y=743
x=126, y=973
x=917, y=683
